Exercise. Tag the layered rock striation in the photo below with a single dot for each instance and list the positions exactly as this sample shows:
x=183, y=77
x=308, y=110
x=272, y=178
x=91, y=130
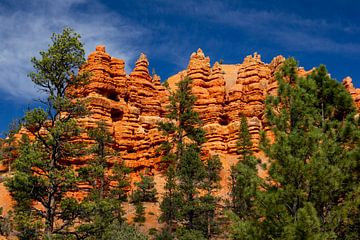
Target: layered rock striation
x=355, y=92
x=133, y=104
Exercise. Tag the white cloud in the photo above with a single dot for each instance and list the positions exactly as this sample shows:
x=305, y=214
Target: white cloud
x=287, y=29
x=26, y=27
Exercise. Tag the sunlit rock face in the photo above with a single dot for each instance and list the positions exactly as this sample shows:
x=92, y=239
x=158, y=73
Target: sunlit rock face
x=132, y=104
x=355, y=92
x=225, y=92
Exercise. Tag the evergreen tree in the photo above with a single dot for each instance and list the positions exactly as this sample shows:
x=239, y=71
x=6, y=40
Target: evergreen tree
x=95, y=172
x=122, y=231
x=41, y=174
x=182, y=125
x=139, y=212
x=171, y=202
x=211, y=184
x=243, y=175
x=120, y=176
x=191, y=173
x=102, y=206
x=312, y=187
x=186, y=172
x=244, y=144
x=145, y=192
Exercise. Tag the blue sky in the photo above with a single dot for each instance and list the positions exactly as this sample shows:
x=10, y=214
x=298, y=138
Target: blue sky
x=314, y=32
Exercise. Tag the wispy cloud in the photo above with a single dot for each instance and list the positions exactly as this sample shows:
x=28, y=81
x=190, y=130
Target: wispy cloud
x=165, y=29
x=287, y=29
x=26, y=27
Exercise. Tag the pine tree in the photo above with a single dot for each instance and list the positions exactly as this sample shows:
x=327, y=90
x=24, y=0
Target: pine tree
x=145, y=192
x=191, y=173
x=102, y=206
x=243, y=175
x=182, y=124
x=122, y=231
x=211, y=184
x=139, y=212
x=244, y=144
x=312, y=187
x=120, y=175
x=95, y=172
x=186, y=172
x=171, y=202
x=41, y=174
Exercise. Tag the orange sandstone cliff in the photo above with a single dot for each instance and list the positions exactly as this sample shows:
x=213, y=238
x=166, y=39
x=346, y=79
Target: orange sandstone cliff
x=132, y=104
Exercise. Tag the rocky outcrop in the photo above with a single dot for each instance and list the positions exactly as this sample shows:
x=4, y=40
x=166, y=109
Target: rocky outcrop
x=132, y=104
x=355, y=92
x=225, y=92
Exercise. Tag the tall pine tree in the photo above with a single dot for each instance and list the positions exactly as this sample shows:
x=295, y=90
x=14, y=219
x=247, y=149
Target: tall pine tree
x=182, y=125
x=209, y=201
x=244, y=180
x=42, y=177
x=186, y=172
x=312, y=188
x=103, y=204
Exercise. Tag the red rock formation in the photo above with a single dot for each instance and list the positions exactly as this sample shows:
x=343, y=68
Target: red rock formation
x=355, y=92
x=131, y=105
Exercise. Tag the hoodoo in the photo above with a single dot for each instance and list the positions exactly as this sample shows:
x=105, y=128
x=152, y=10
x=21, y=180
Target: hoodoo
x=131, y=105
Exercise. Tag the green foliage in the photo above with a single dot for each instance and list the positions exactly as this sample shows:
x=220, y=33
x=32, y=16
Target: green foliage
x=182, y=155
x=146, y=191
x=244, y=144
x=182, y=123
x=244, y=181
x=311, y=191
x=306, y=226
x=171, y=202
x=242, y=229
x=120, y=175
x=207, y=221
x=139, y=212
x=165, y=234
x=41, y=175
x=191, y=173
x=187, y=175
x=102, y=206
x=189, y=234
x=28, y=225
x=8, y=147
x=57, y=69
x=122, y=231
x=5, y=224
x=152, y=231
